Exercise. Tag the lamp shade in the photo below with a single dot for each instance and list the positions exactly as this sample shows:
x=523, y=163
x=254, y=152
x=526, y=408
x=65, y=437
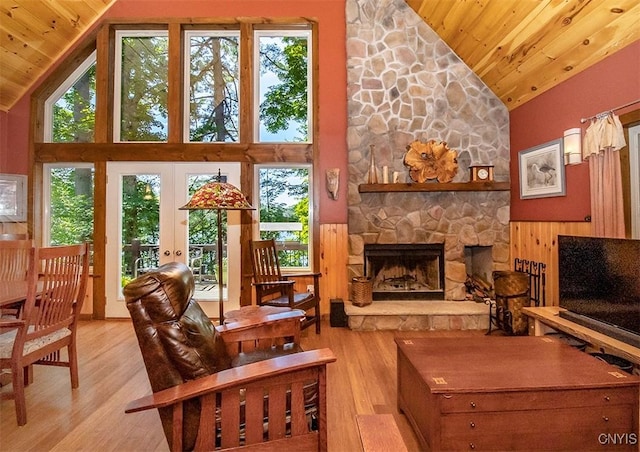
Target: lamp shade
x=572, y=144
x=217, y=196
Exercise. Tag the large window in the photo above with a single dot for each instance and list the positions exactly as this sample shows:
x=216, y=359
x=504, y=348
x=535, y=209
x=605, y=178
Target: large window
x=285, y=212
x=212, y=92
x=283, y=80
x=141, y=86
x=267, y=90
x=70, y=111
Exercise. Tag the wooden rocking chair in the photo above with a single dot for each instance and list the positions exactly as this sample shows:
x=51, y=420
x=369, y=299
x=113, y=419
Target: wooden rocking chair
x=275, y=289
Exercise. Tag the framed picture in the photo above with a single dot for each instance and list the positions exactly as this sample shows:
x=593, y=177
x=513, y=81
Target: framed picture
x=13, y=198
x=542, y=171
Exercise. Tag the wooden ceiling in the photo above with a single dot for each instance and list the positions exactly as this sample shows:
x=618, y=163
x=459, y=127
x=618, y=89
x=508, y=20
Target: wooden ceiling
x=34, y=34
x=522, y=48
x=519, y=48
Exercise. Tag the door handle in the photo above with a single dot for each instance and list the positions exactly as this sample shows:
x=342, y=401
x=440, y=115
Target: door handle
x=167, y=253
x=178, y=253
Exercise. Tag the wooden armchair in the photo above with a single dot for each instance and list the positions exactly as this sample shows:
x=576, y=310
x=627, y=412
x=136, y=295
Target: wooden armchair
x=275, y=289
x=238, y=385
x=57, y=280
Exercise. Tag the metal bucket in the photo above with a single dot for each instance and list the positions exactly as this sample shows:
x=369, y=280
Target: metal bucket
x=512, y=294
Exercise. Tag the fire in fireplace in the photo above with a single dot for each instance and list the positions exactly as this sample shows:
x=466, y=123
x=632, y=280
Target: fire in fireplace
x=405, y=271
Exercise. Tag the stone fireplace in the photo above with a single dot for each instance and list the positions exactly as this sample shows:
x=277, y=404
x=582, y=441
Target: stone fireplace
x=405, y=271
x=405, y=84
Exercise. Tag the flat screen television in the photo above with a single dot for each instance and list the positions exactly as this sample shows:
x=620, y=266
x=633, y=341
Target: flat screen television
x=599, y=283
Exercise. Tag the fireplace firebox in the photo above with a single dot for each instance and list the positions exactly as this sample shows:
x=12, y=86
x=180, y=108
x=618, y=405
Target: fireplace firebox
x=405, y=271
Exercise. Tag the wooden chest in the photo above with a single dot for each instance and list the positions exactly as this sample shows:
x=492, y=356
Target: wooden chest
x=514, y=393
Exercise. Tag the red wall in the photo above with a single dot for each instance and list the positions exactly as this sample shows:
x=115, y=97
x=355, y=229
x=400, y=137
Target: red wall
x=4, y=155
x=330, y=15
x=613, y=82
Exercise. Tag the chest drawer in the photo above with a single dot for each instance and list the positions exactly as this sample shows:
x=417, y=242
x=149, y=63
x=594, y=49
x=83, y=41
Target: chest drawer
x=528, y=400
x=561, y=428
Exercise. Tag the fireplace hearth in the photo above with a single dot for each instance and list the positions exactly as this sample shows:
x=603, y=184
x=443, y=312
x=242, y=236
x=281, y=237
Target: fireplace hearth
x=405, y=271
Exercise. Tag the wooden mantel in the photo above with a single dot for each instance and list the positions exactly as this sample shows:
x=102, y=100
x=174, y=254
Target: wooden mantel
x=434, y=187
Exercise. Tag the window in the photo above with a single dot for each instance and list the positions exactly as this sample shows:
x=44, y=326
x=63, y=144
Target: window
x=70, y=111
x=68, y=203
x=141, y=85
x=282, y=85
x=212, y=91
x=285, y=212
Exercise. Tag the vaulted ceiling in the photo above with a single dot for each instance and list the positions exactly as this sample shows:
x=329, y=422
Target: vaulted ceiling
x=519, y=48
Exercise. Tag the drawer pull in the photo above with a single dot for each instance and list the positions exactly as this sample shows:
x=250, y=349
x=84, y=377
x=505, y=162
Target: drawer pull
x=473, y=404
x=607, y=398
x=605, y=418
x=472, y=424
x=472, y=446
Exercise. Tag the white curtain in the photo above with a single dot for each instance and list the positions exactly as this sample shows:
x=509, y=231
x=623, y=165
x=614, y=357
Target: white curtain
x=603, y=138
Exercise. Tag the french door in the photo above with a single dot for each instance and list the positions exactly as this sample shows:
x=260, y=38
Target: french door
x=146, y=229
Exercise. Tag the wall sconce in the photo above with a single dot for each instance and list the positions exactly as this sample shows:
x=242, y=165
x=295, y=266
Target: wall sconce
x=572, y=146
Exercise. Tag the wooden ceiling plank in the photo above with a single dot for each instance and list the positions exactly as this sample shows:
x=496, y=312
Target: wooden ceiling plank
x=579, y=58
x=479, y=23
x=569, y=37
x=14, y=43
x=434, y=12
x=520, y=41
x=8, y=92
x=452, y=21
x=492, y=30
x=98, y=6
x=13, y=69
x=591, y=21
x=34, y=16
x=77, y=14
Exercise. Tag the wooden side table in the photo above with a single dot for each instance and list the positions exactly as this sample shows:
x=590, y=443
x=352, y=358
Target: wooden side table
x=258, y=314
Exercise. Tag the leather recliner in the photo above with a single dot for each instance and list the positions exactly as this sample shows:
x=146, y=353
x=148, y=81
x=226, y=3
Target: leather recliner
x=179, y=343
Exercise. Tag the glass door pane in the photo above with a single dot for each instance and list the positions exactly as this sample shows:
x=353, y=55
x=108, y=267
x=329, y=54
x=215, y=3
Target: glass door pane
x=140, y=217
x=139, y=225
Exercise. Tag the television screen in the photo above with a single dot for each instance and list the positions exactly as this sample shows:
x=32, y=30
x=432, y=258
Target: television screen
x=599, y=283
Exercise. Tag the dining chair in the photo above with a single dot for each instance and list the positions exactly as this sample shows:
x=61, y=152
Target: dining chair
x=57, y=280
x=14, y=259
x=273, y=288
x=15, y=256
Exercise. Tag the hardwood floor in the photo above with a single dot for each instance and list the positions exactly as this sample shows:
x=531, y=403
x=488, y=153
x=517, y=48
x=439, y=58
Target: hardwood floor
x=362, y=381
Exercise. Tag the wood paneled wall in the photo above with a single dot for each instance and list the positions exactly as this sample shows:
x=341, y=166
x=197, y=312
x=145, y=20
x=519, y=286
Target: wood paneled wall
x=538, y=241
x=334, y=242
x=333, y=266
